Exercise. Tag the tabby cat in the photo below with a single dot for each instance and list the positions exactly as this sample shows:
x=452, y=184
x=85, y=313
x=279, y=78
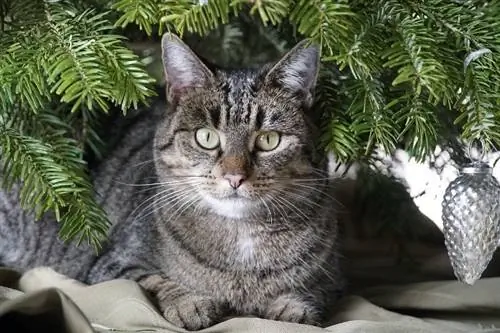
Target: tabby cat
x=219, y=202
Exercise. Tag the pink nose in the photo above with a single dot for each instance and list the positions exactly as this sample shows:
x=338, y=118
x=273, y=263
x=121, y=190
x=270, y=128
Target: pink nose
x=235, y=180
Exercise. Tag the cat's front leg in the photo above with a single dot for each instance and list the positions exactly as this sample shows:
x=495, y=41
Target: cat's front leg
x=181, y=306
x=293, y=308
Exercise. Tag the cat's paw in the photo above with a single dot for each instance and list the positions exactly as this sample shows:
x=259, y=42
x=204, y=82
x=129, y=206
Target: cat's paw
x=293, y=308
x=192, y=312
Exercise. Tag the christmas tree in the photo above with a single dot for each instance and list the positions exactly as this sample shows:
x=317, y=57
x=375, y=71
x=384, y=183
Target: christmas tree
x=395, y=73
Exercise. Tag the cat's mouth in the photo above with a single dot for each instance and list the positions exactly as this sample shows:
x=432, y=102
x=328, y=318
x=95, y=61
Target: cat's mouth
x=232, y=205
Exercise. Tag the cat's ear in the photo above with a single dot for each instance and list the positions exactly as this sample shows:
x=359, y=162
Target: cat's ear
x=183, y=69
x=297, y=70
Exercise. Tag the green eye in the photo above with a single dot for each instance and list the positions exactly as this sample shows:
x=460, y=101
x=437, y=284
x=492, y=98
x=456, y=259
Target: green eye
x=267, y=140
x=207, y=138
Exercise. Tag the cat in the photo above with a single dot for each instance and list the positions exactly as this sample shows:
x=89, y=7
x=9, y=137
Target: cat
x=219, y=202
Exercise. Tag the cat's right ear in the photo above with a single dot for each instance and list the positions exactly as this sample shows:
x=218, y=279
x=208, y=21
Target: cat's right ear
x=183, y=69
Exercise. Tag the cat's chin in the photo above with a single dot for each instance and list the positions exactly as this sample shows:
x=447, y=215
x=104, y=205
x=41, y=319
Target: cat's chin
x=232, y=207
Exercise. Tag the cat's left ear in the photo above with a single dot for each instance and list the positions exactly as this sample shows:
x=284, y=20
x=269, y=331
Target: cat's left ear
x=183, y=69
x=297, y=71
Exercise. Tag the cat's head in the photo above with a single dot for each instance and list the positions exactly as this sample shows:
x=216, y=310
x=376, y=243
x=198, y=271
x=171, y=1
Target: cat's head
x=239, y=142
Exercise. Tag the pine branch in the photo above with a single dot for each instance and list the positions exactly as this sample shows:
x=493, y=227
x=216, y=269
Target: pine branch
x=415, y=56
x=472, y=23
x=50, y=182
x=362, y=54
x=50, y=50
x=340, y=138
x=338, y=135
x=143, y=13
x=371, y=119
x=194, y=16
x=480, y=117
x=419, y=122
x=124, y=69
x=95, y=68
x=76, y=57
x=269, y=11
x=22, y=78
x=326, y=22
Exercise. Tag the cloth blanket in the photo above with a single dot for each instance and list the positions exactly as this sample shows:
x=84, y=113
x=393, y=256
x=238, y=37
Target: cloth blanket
x=43, y=301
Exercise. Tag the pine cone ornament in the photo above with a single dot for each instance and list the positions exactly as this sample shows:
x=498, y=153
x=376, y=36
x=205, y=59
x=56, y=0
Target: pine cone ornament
x=471, y=221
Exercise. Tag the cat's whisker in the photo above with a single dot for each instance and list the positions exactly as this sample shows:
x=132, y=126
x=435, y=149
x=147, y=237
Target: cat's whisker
x=146, y=202
x=267, y=207
x=175, y=198
x=160, y=186
x=317, y=190
x=162, y=203
x=298, y=197
x=154, y=200
x=319, y=171
x=278, y=207
x=141, y=164
x=181, y=205
x=324, y=262
x=197, y=208
x=186, y=206
x=319, y=263
x=306, y=180
x=309, y=190
x=170, y=191
x=152, y=188
x=174, y=182
x=292, y=207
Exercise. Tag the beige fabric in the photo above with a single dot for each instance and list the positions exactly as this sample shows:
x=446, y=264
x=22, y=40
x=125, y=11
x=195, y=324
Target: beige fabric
x=30, y=303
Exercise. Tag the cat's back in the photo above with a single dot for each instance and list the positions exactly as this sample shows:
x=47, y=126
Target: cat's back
x=117, y=179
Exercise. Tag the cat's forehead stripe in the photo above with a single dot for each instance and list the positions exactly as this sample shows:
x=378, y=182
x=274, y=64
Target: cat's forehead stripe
x=239, y=94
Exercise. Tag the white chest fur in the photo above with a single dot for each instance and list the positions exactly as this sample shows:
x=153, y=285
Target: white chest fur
x=245, y=250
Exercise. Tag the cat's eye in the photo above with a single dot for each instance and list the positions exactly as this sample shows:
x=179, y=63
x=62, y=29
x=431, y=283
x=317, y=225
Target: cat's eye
x=267, y=140
x=207, y=138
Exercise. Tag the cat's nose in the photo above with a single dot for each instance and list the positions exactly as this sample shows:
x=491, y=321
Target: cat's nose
x=235, y=180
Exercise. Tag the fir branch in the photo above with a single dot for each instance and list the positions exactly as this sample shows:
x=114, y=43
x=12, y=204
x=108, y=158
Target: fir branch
x=480, y=117
x=85, y=221
x=94, y=68
x=74, y=71
x=371, y=119
x=22, y=77
x=50, y=181
x=74, y=56
x=195, y=17
x=270, y=11
x=362, y=55
x=339, y=138
x=49, y=49
x=124, y=69
x=415, y=56
x=338, y=135
x=143, y=13
x=470, y=23
x=420, y=124
x=326, y=22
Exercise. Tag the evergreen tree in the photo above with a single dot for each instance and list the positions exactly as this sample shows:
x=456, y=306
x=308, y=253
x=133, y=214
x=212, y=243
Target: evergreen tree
x=395, y=73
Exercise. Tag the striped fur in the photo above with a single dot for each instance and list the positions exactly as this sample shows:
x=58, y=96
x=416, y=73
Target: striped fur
x=202, y=248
